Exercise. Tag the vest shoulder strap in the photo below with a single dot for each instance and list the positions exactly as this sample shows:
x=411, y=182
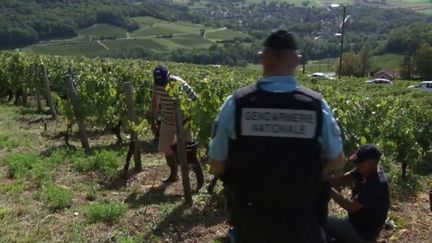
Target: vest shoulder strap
x=309, y=92
x=241, y=92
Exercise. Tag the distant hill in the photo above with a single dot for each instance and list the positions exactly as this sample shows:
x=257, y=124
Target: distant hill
x=24, y=22
x=204, y=31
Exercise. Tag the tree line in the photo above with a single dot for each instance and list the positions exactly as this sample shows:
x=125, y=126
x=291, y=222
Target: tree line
x=232, y=54
x=414, y=42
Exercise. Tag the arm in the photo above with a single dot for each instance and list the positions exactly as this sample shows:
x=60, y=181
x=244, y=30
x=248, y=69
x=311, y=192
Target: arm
x=217, y=167
x=342, y=181
x=335, y=164
x=185, y=87
x=223, y=131
x=154, y=109
x=351, y=206
x=331, y=140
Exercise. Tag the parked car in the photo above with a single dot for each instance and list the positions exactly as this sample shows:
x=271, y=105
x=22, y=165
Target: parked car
x=380, y=81
x=319, y=75
x=425, y=85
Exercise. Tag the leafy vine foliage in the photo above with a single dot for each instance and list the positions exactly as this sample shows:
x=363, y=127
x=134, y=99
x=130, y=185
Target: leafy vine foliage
x=396, y=118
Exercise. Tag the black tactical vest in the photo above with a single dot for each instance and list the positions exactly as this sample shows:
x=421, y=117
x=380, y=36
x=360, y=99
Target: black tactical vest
x=275, y=160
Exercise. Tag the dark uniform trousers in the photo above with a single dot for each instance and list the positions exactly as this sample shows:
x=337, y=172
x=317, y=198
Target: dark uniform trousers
x=273, y=225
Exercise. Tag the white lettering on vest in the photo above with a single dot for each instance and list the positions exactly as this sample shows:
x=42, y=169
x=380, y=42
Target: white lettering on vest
x=266, y=122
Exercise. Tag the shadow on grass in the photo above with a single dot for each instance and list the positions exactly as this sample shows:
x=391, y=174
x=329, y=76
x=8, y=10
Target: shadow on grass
x=34, y=120
x=120, y=180
x=149, y=146
x=49, y=151
x=156, y=195
x=182, y=219
x=96, y=148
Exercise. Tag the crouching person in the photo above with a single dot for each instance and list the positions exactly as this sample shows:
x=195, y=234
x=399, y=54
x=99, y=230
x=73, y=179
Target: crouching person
x=369, y=203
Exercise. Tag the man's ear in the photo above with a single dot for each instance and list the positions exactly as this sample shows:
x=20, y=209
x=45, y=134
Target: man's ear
x=262, y=59
x=296, y=60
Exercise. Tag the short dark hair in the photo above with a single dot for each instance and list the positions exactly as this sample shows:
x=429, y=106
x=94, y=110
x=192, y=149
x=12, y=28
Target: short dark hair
x=280, y=40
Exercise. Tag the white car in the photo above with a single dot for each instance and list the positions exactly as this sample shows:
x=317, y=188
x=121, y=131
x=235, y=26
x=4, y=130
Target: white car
x=321, y=75
x=425, y=85
x=380, y=81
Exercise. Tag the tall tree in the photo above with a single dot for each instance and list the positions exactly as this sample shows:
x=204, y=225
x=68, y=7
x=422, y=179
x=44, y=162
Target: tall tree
x=351, y=65
x=365, y=59
x=424, y=61
x=405, y=67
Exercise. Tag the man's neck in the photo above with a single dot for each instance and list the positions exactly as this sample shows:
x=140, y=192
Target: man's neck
x=371, y=174
x=277, y=72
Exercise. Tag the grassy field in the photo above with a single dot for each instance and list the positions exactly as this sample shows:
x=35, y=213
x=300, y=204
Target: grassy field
x=225, y=34
x=185, y=35
x=94, y=48
x=387, y=61
x=192, y=42
x=50, y=193
x=391, y=61
x=103, y=30
x=155, y=30
x=146, y=43
x=67, y=48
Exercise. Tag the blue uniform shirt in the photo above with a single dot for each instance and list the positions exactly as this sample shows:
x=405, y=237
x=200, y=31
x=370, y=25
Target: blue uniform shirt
x=330, y=138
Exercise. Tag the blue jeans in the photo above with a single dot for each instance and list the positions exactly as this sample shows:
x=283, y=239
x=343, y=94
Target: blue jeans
x=342, y=230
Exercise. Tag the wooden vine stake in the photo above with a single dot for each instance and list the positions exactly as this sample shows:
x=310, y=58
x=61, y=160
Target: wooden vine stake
x=73, y=99
x=47, y=91
x=34, y=81
x=181, y=151
x=127, y=89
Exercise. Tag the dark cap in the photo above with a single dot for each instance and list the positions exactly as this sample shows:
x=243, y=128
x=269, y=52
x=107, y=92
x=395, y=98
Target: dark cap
x=281, y=40
x=365, y=152
x=160, y=75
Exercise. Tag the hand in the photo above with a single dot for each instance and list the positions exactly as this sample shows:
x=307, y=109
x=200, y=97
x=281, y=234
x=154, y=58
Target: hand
x=153, y=128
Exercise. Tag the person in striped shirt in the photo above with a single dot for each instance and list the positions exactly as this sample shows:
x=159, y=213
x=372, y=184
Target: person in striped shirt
x=163, y=104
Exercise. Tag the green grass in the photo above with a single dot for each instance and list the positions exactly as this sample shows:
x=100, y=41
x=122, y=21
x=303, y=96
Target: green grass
x=108, y=212
x=386, y=61
x=7, y=142
x=146, y=21
x=191, y=36
x=93, y=48
x=19, y=165
x=154, y=31
x=105, y=162
x=324, y=65
x=15, y=188
x=29, y=164
x=186, y=35
x=58, y=197
x=191, y=42
x=83, y=48
x=4, y=212
x=391, y=61
x=426, y=11
x=154, y=27
x=147, y=43
x=103, y=30
x=128, y=239
x=226, y=34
